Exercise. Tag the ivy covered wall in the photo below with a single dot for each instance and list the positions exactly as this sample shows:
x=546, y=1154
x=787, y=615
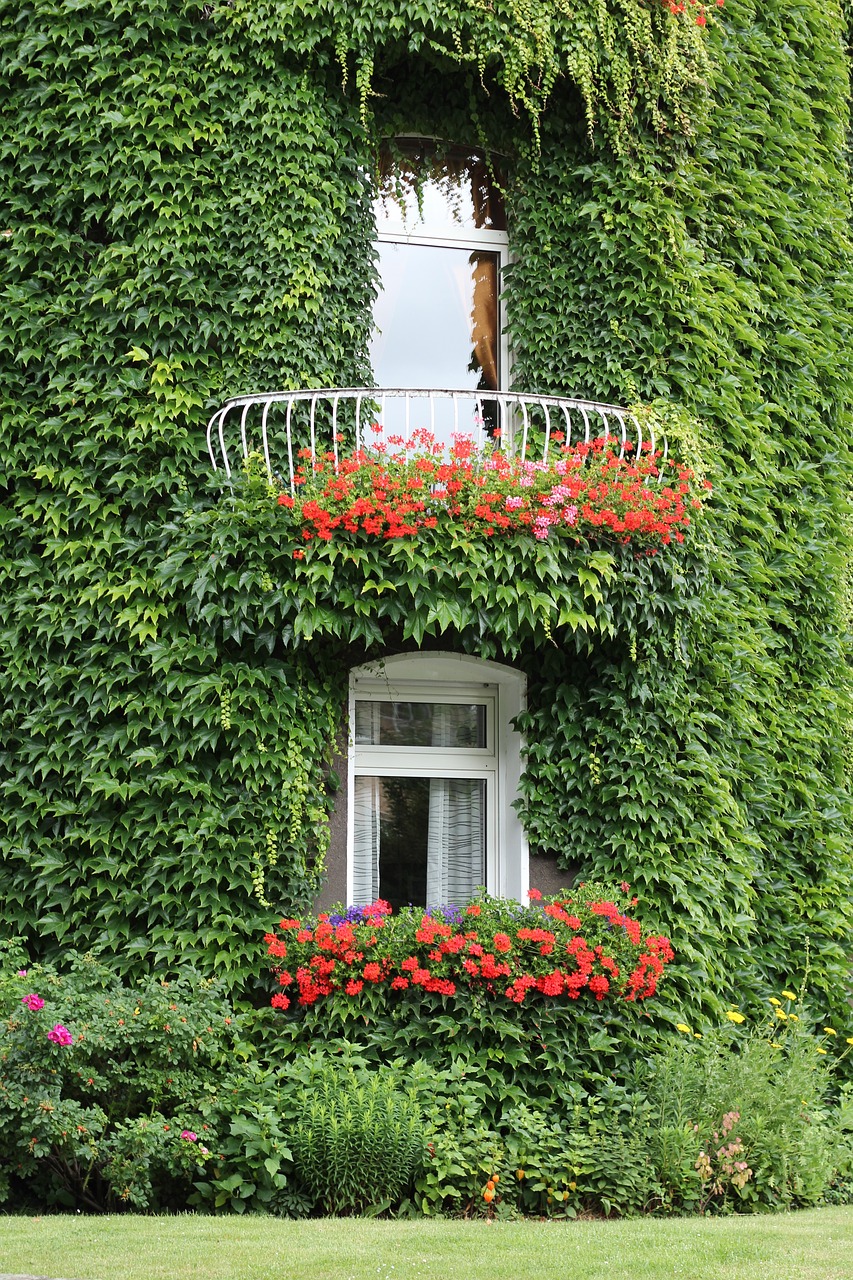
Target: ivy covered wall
x=186, y=215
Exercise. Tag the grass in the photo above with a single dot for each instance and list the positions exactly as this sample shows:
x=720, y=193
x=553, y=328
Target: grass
x=813, y=1245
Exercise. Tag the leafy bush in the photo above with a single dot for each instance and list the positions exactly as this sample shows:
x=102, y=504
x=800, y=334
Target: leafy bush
x=840, y=1189
x=358, y=1141
x=104, y=1088
x=740, y=1117
x=250, y=1111
x=156, y=1096
x=550, y=1161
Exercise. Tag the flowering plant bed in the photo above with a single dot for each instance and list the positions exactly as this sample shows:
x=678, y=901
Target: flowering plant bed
x=557, y=948
x=584, y=491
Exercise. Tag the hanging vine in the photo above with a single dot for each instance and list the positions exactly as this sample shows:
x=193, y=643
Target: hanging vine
x=633, y=60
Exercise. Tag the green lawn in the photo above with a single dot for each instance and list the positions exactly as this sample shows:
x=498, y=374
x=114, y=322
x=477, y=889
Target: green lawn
x=816, y=1245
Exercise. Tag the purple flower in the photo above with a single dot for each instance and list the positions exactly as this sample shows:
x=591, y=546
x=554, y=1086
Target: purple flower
x=60, y=1035
x=352, y=915
x=189, y=1136
x=448, y=911
x=32, y=1001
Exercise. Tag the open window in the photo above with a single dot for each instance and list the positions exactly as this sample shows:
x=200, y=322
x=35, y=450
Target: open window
x=434, y=769
x=442, y=247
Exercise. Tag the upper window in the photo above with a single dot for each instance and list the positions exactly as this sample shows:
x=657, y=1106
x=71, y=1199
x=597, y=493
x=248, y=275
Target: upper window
x=434, y=768
x=442, y=246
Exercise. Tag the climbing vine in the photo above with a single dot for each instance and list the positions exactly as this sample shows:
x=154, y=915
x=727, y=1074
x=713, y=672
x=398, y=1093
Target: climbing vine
x=186, y=215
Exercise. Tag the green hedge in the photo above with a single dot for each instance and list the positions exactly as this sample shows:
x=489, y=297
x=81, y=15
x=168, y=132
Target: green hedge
x=187, y=192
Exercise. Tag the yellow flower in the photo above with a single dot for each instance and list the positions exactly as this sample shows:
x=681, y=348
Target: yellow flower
x=850, y=1039
x=830, y=1031
x=792, y=1017
x=780, y=1013
x=734, y=1016
x=789, y=995
x=681, y=1026
x=821, y=1050
x=773, y=1000
x=774, y=1044
x=697, y=1036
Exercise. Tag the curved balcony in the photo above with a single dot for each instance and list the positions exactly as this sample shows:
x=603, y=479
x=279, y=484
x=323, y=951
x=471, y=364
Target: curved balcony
x=277, y=425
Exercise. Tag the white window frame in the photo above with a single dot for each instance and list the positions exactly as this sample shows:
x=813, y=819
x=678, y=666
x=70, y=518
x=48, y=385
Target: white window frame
x=448, y=677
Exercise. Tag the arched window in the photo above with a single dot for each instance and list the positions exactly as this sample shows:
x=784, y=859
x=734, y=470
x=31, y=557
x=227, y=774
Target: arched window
x=442, y=246
x=434, y=768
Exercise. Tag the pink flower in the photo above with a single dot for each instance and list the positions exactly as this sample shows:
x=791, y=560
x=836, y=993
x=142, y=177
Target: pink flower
x=22, y=973
x=32, y=1001
x=60, y=1035
x=189, y=1136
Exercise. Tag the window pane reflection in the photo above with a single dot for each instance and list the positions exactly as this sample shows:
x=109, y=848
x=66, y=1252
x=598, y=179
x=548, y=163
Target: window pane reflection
x=436, y=325
x=420, y=724
x=429, y=187
x=419, y=840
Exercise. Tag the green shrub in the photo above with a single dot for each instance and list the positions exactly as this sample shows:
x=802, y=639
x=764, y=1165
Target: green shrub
x=358, y=1141
x=739, y=1116
x=104, y=1088
x=251, y=1111
x=840, y=1189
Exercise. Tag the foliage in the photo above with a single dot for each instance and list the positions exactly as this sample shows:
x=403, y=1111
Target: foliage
x=739, y=1115
x=840, y=1189
x=103, y=1086
x=629, y=59
x=479, y=1106
x=186, y=215
x=250, y=1109
x=556, y=947
x=357, y=1143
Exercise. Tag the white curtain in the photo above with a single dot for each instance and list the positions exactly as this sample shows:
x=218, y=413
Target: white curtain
x=455, y=863
x=365, y=862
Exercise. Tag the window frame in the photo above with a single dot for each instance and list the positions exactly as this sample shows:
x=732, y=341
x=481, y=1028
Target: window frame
x=446, y=677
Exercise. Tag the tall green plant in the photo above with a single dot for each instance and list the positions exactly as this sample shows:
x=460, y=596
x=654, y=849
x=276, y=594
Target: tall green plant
x=357, y=1143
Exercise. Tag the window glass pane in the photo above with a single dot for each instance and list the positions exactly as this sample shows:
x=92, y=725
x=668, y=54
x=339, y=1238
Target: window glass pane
x=425, y=186
x=436, y=318
x=420, y=724
x=427, y=836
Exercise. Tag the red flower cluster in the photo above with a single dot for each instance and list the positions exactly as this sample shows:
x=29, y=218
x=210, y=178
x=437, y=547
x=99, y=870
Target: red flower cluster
x=586, y=490
x=495, y=947
x=697, y=8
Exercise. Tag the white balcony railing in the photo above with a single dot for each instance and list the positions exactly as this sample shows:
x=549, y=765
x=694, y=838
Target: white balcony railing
x=277, y=425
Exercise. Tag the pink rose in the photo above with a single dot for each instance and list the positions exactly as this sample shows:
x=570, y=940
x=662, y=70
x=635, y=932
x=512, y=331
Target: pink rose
x=60, y=1035
x=32, y=1001
x=188, y=1135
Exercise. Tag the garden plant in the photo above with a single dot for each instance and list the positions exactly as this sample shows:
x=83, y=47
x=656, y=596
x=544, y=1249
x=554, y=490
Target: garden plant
x=560, y=1088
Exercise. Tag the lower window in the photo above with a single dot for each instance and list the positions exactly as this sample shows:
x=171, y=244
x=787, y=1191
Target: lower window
x=434, y=767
